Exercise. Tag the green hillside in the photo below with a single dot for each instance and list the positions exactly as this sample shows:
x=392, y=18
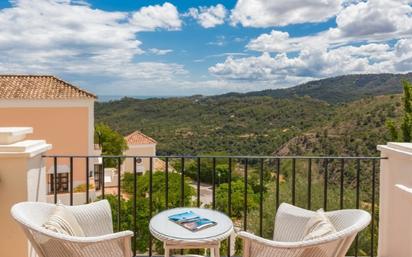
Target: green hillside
x=340, y=89
x=335, y=116
x=235, y=125
x=355, y=128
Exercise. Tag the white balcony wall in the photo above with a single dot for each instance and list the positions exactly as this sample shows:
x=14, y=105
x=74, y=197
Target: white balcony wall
x=22, y=178
x=395, y=216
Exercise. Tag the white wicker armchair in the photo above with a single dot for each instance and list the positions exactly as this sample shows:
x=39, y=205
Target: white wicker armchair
x=95, y=220
x=288, y=235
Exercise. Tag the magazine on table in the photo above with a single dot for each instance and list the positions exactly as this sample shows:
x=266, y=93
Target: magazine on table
x=191, y=221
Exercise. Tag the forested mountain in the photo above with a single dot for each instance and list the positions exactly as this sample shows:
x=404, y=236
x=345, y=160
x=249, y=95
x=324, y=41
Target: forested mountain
x=252, y=125
x=337, y=116
x=355, y=129
x=340, y=89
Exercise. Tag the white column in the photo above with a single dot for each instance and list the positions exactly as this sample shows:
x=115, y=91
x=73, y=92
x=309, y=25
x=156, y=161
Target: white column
x=22, y=178
x=395, y=210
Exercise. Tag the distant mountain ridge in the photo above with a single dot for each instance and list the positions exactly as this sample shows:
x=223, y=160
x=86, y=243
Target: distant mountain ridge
x=344, y=115
x=339, y=89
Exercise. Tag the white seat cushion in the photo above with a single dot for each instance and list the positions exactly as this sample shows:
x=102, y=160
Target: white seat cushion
x=318, y=226
x=63, y=221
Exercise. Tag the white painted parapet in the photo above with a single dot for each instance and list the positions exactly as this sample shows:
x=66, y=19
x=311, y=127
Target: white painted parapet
x=395, y=210
x=22, y=178
x=12, y=135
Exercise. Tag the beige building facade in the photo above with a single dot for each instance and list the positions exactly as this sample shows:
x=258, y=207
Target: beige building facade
x=58, y=112
x=139, y=145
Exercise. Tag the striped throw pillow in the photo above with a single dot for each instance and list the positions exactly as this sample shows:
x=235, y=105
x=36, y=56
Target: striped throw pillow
x=318, y=226
x=63, y=221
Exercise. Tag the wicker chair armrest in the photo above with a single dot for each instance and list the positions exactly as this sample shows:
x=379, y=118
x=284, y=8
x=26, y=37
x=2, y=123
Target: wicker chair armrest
x=94, y=239
x=246, y=236
x=289, y=245
x=59, y=245
x=98, y=239
x=254, y=246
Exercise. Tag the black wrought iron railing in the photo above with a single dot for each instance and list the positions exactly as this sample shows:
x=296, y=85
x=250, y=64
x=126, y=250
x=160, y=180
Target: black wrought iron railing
x=249, y=189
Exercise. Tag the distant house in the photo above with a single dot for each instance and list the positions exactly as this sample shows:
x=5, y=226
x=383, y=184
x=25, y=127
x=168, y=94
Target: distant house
x=141, y=145
x=59, y=112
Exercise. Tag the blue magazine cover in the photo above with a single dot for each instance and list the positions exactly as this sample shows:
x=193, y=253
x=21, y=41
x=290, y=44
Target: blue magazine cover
x=191, y=221
x=183, y=217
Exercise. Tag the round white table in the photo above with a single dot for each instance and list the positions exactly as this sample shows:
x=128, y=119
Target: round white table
x=175, y=236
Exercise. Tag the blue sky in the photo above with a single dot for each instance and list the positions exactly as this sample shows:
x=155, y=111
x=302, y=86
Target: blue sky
x=158, y=48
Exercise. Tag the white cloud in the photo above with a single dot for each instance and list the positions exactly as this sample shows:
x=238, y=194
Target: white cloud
x=66, y=39
x=70, y=39
x=154, y=17
x=157, y=51
x=219, y=41
x=404, y=55
x=209, y=17
x=362, y=42
x=279, y=41
x=263, y=68
x=80, y=2
x=375, y=19
x=263, y=13
x=318, y=62
x=358, y=22
x=219, y=55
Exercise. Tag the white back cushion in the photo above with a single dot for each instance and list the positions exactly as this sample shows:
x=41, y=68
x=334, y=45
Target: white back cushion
x=318, y=226
x=63, y=221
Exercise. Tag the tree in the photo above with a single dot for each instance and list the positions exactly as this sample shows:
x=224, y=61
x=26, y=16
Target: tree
x=159, y=188
x=404, y=132
x=112, y=143
x=237, y=198
x=206, y=169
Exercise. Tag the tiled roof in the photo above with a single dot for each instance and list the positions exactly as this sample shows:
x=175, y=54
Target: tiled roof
x=39, y=87
x=138, y=138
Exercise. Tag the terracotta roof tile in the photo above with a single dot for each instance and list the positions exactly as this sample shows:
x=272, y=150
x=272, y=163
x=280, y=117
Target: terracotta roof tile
x=39, y=87
x=138, y=138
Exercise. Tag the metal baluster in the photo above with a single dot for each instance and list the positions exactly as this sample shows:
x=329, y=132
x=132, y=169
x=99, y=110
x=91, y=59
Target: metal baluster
x=309, y=184
x=357, y=201
x=293, y=181
x=71, y=180
x=102, y=177
x=150, y=202
x=87, y=179
x=167, y=183
x=55, y=179
x=198, y=182
x=134, y=205
x=119, y=203
x=182, y=183
x=342, y=173
x=229, y=207
x=277, y=183
x=372, y=254
x=213, y=184
x=261, y=198
x=325, y=186
x=245, y=197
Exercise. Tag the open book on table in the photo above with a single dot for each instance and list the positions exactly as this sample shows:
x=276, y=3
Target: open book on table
x=191, y=221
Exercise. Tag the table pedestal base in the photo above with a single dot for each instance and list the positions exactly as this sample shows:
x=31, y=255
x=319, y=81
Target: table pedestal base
x=214, y=248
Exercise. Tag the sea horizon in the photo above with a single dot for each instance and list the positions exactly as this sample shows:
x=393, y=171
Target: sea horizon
x=107, y=98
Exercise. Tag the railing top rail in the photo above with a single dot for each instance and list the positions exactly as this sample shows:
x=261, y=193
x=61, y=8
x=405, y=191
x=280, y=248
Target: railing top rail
x=216, y=156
